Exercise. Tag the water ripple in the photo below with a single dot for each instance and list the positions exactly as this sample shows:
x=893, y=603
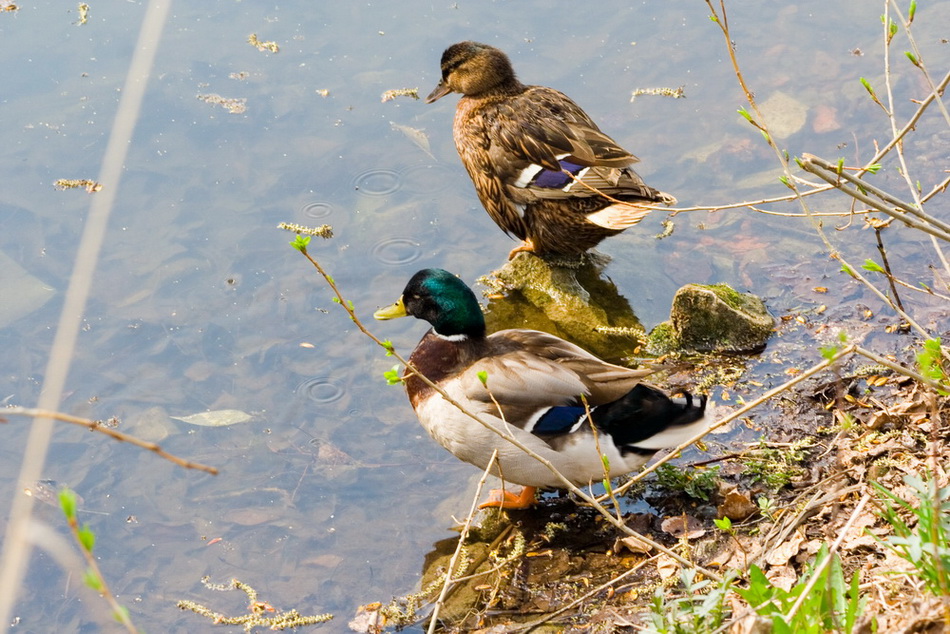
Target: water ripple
x=317, y=210
x=378, y=182
x=320, y=389
x=397, y=251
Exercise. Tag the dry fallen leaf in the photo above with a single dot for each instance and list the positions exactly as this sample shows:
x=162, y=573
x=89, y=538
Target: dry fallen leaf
x=632, y=544
x=666, y=566
x=683, y=526
x=736, y=506
x=368, y=619
x=780, y=555
x=783, y=577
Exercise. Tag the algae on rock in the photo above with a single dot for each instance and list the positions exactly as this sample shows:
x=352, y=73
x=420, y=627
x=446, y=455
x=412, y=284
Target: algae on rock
x=571, y=299
x=713, y=318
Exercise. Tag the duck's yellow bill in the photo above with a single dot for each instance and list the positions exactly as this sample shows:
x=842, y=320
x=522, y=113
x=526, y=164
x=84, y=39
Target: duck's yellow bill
x=391, y=312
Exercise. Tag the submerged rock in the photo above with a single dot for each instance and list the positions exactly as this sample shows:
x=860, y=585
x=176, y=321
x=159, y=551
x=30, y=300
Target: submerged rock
x=713, y=318
x=567, y=297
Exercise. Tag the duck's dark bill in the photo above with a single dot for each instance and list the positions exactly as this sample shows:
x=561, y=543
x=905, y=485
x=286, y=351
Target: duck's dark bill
x=440, y=91
x=391, y=312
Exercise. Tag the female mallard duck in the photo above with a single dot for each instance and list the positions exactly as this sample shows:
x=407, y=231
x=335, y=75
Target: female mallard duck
x=533, y=388
x=542, y=169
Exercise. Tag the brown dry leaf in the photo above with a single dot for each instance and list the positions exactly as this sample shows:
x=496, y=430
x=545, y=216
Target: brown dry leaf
x=329, y=454
x=857, y=536
x=683, y=526
x=737, y=506
x=783, y=577
x=723, y=556
x=368, y=619
x=632, y=544
x=751, y=623
x=666, y=566
x=780, y=555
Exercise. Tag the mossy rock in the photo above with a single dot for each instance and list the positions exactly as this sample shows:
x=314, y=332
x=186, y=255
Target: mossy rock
x=568, y=298
x=464, y=599
x=713, y=318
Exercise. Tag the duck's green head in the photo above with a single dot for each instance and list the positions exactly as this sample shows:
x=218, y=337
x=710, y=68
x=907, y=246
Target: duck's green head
x=441, y=299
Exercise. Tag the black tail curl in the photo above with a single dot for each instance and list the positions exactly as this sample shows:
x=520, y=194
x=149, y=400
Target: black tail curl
x=645, y=412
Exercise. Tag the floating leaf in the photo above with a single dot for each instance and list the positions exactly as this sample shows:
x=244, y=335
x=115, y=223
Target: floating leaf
x=216, y=418
x=368, y=618
x=417, y=136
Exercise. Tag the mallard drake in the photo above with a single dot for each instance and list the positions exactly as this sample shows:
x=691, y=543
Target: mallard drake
x=534, y=383
x=541, y=167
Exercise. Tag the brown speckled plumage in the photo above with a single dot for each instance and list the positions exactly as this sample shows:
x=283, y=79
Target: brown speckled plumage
x=516, y=140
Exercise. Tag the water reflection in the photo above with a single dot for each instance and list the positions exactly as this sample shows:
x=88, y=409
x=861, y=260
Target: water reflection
x=578, y=302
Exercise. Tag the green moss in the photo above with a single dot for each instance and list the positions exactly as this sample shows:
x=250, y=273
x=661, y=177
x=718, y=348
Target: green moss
x=570, y=299
x=662, y=339
x=729, y=295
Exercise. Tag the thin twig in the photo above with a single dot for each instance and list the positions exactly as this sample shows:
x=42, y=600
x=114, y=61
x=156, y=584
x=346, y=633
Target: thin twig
x=820, y=568
x=911, y=123
x=547, y=617
x=876, y=358
x=94, y=425
x=118, y=611
x=935, y=91
x=887, y=267
x=450, y=572
x=603, y=458
x=915, y=219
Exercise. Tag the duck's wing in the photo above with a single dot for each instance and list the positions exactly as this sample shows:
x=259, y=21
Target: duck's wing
x=543, y=146
x=529, y=372
x=544, y=126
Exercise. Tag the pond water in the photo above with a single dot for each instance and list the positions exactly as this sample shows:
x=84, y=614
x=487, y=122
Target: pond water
x=331, y=495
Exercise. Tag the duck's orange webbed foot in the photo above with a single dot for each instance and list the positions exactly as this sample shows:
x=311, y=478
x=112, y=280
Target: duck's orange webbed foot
x=500, y=499
x=526, y=246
